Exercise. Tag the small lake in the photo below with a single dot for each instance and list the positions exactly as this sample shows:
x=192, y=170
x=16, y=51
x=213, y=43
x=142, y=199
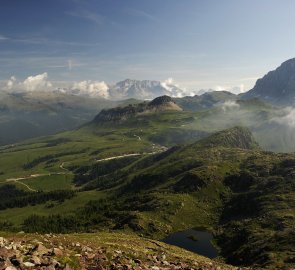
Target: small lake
x=193, y=240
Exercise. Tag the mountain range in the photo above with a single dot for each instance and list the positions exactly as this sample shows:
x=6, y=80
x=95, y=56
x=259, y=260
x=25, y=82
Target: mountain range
x=137, y=89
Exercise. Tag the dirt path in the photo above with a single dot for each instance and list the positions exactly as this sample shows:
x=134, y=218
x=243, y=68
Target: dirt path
x=18, y=179
x=63, y=168
x=117, y=157
x=19, y=182
x=130, y=155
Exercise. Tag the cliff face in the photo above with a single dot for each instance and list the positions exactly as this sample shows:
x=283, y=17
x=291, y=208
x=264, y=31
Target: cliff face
x=277, y=86
x=159, y=104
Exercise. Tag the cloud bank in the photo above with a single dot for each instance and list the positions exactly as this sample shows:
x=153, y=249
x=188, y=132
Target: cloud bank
x=38, y=82
x=93, y=88
x=288, y=119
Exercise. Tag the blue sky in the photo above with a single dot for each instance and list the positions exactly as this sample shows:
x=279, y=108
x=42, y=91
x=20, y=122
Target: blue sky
x=199, y=43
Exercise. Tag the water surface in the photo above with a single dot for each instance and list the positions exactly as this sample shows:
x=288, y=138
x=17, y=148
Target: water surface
x=201, y=242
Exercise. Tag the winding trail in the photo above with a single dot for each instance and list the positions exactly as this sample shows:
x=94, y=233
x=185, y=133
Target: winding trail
x=19, y=182
x=61, y=166
x=131, y=155
x=18, y=179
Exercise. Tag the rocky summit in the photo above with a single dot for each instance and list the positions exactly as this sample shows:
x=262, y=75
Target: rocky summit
x=159, y=104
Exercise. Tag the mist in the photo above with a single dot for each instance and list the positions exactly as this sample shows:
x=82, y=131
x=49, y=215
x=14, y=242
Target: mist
x=272, y=127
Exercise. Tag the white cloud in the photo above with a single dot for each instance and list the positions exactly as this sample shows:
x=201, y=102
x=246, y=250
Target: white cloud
x=10, y=83
x=230, y=105
x=235, y=90
x=38, y=82
x=92, y=88
x=173, y=88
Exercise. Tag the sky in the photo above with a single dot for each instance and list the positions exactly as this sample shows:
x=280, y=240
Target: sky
x=199, y=43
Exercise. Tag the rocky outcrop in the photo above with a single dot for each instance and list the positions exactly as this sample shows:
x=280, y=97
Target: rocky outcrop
x=159, y=104
x=61, y=252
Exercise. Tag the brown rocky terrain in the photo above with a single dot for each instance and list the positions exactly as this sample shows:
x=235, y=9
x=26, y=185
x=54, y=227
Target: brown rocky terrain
x=99, y=251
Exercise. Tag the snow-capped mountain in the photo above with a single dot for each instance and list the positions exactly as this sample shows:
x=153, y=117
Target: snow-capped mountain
x=128, y=88
x=143, y=89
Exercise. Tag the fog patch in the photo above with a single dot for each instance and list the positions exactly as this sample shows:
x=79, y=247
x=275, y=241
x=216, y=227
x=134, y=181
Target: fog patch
x=229, y=105
x=288, y=119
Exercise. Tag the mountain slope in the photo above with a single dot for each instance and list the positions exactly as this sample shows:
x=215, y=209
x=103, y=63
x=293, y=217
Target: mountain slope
x=277, y=86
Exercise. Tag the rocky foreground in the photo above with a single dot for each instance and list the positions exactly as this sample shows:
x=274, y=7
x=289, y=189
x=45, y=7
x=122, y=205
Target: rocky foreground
x=99, y=251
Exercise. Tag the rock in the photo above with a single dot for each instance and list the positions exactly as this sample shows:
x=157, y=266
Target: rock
x=36, y=260
x=90, y=256
x=15, y=261
x=165, y=263
x=41, y=249
x=155, y=268
x=57, y=251
x=28, y=264
x=137, y=261
x=10, y=268
x=2, y=242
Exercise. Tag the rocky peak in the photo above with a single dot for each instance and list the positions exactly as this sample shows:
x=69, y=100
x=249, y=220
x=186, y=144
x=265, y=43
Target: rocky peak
x=277, y=86
x=163, y=103
x=161, y=100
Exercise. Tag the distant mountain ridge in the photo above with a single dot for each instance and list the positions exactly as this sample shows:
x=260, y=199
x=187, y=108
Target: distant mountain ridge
x=145, y=89
x=138, y=89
